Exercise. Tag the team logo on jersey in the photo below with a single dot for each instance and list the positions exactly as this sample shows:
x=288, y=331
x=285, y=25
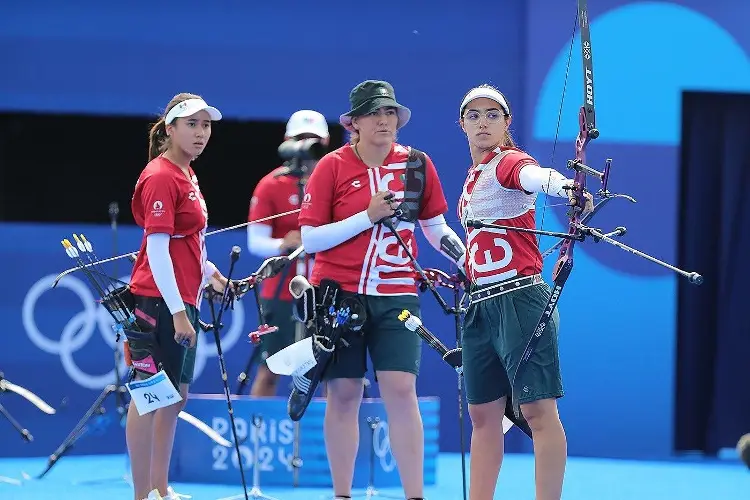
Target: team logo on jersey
x=191, y=196
x=356, y=184
x=158, y=209
x=307, y=197
x=294, y=199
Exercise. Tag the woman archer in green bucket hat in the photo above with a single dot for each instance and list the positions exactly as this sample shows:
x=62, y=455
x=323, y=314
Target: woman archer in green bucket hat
x=348, y=193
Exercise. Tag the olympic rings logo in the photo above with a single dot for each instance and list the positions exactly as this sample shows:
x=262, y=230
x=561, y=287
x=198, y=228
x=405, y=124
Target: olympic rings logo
x=381, y=444
x=78, y=331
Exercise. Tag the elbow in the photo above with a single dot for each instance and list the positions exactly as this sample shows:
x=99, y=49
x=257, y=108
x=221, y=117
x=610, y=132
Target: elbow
x=310, y=246
x=309, y=241
x=253, y=248
x=252, y=242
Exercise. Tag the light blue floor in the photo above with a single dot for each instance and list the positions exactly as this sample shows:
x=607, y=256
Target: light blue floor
x=593, y=479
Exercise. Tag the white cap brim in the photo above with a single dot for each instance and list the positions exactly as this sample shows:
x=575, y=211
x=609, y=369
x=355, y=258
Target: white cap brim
x=323, y=134
x=488, y=93
x=189, y=107
x=306, y=121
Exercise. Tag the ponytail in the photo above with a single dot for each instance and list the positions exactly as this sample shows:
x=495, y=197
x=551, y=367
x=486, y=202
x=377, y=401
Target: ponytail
x=158, y=140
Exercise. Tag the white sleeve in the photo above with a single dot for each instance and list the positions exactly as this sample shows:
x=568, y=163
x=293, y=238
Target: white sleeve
x=209, y=270
x=327, y=236
x=444, y=239
x=260, y=243
x=535, y=179
x=157, y=250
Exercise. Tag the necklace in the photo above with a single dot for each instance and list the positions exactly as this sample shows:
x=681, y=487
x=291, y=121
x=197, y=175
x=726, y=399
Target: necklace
x=356, y=152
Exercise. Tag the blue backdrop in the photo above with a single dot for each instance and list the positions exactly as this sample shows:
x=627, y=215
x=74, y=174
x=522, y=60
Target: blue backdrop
x=618, y=327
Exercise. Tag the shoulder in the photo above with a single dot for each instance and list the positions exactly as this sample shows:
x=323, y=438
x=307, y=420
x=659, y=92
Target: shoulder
x=401, y=153
x=336, y=159
x=157, y=171
x=159, y=168
x=513, y=155
x=270, y=179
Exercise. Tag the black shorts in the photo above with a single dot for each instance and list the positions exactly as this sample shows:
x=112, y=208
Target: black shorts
x=156, y=339
x=276, y=312
x=391, y=345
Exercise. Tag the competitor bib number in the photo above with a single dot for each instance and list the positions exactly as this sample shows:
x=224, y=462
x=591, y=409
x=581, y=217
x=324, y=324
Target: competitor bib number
x=153, y=393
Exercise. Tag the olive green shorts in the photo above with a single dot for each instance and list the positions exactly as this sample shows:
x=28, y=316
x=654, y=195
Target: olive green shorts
x=496, y=332
x=391, y=345
x=276, y=312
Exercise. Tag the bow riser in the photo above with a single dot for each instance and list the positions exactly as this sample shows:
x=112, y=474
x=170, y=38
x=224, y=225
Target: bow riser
x=564, y=265
x=579, y=187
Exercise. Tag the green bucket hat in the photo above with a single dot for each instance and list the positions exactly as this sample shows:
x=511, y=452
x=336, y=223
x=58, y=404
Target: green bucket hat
x=369, y=96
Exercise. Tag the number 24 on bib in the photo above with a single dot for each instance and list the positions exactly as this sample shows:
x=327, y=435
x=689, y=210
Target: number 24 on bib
x=153, y=393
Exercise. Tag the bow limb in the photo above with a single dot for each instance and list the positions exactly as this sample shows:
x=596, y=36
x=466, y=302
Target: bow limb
x=564, y=265
x=28, y=395
x=205, y=429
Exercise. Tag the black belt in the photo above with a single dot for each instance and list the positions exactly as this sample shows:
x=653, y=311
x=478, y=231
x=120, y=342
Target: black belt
x=484, y=292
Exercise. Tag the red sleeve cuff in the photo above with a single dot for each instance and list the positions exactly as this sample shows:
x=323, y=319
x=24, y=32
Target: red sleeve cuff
x=308, y=221
x=434, y=213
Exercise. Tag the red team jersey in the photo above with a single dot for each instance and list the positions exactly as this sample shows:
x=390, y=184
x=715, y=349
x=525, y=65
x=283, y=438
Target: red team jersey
x=274, y=196
x=166, y=201
x=372, y=262
x=493, y=193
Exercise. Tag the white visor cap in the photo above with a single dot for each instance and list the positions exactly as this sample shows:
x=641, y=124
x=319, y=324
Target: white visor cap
x=489, y=93
x=189, y=107
x=307, y=121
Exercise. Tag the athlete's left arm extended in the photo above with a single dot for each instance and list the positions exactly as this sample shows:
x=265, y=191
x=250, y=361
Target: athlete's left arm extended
x=535, y=179
x=444, y=239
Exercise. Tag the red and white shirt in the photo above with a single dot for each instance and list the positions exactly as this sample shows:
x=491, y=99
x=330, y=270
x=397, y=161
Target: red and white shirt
x=493, y=194
x=167, y=201
x=372, y=262
x=275, y=195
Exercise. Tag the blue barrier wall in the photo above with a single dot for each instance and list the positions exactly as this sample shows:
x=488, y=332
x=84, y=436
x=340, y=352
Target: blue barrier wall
x=616, y=310
x=198, y=459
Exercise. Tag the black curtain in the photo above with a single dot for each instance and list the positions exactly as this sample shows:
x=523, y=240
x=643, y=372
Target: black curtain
x=712, y=407
x=68, y=168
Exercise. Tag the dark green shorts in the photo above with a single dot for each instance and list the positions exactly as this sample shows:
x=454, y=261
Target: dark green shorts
x=276, y=312
x=496, y=331
x=391, y=345
x=179, y=362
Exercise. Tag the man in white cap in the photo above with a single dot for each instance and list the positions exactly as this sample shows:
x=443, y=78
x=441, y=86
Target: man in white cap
x=277, y=192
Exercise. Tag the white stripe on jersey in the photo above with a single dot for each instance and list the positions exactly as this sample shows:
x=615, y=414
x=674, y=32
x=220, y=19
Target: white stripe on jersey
x=372, y=245
x=380, y=240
